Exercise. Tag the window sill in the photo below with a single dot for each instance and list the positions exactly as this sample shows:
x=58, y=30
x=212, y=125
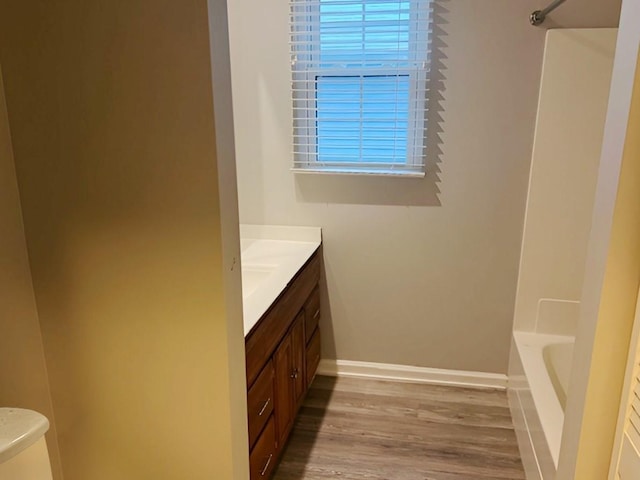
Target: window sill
x=368, y=172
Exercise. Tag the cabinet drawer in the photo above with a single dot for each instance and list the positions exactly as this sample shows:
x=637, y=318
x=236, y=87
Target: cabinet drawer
x=260, y=402
x=312, y=314
x=263, y=456
x=313, y=356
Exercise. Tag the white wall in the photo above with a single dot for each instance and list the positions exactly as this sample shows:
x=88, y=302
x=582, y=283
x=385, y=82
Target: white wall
x=418, y=272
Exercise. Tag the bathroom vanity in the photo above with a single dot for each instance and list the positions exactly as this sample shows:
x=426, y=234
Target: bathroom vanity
x=281, y=271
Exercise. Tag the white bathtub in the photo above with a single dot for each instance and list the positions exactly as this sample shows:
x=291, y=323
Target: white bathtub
x=539, y=371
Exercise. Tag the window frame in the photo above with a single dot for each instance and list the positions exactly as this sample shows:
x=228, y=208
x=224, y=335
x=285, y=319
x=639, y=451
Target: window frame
x=305, y=89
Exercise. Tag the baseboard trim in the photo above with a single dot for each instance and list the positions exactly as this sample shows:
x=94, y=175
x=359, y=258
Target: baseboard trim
x=404, y=373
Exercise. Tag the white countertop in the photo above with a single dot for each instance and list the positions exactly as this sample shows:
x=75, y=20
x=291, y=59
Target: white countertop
x=270, y=258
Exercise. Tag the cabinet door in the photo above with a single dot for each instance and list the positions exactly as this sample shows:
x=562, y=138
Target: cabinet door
x=283, y=363
x=299, y=353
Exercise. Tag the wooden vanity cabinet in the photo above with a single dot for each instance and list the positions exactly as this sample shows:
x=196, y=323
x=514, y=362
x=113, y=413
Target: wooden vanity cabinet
x=282, y=358
x=260, y=402
x=313, y=356
x=299, y=361
x=263, y=456
x=291, y=385
x=312, y=335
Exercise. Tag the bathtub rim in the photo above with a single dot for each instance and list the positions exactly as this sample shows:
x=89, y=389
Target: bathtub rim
x=547, y=404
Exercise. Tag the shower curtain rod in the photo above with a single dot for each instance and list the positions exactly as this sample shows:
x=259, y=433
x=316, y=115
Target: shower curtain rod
x=537, y=17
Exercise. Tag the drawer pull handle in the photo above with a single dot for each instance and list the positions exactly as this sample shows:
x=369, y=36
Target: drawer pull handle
x=266, y=465
x=294, y=374
x=316, y=315
x=264, y=407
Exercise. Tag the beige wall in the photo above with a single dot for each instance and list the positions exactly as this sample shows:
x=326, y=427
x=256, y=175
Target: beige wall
x=564, y=170
x=612, y=274
x=616, y=312
x=112, y=120
x=418, y=272
x=23, y=373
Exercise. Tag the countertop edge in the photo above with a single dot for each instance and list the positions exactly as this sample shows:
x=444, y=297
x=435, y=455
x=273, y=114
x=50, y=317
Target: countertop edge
x=254, y=327
x=290, y=248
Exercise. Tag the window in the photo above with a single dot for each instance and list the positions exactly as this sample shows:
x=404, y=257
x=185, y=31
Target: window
x=360, y=75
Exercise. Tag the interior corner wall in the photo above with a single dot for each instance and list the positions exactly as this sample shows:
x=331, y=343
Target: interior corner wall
x=112, y=117
x=23, y=373
x=417, y=272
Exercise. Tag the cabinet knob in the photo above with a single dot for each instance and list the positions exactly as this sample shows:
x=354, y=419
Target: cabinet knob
x=294, y=374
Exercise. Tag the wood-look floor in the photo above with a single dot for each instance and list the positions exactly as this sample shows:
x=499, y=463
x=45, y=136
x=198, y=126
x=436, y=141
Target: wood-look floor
x=350, y=429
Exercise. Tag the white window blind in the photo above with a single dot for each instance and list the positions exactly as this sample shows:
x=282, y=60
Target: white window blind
x=360, y=71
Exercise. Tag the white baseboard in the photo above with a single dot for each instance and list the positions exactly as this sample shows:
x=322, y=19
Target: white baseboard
x=404, y=373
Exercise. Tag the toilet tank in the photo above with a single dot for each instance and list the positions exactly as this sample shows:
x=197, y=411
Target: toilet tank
x=23, y=449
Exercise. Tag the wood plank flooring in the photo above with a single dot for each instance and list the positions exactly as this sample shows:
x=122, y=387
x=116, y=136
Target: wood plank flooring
x=350, y=429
